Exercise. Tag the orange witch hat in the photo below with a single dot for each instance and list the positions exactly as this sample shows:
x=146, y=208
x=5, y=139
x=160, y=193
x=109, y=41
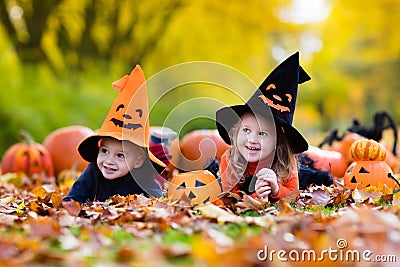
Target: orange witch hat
x=127, y=119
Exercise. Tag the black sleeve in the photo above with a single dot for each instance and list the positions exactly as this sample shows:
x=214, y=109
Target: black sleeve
x=145, y=182
x=84, y=188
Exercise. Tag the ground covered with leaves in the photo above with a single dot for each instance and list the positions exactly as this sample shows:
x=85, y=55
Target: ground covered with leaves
x=318, y=226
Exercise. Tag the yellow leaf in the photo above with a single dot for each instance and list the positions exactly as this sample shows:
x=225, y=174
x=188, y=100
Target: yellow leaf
x=22, y=205
x=19, y=211
x=204, y=250
x=39, y=192
x=214, y=212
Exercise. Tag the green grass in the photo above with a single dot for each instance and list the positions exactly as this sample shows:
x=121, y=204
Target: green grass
x=326, y=210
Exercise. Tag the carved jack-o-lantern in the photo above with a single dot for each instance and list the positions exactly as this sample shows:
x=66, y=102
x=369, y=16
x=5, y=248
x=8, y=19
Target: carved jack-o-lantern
x=198, y=186
x=369, y=167
x=365, y=173
x=29, y=157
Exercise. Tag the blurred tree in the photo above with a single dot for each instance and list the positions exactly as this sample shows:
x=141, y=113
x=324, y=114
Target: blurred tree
x=72, y=34
x=357, y=66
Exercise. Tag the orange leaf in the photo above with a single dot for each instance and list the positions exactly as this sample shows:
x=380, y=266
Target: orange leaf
x=284, y=208
x=36, y=207
x=73, y=207
x=44, y=227
x=56, y=200
x=249, y=203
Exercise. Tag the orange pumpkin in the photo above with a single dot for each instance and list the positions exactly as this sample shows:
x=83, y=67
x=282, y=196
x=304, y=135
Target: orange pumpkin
x=367, y=149
x=198, y=147
x=361, y=174
x=62, y=146
x=332, y=161
x=198, y=186
x=369, y=167
x=28, y=157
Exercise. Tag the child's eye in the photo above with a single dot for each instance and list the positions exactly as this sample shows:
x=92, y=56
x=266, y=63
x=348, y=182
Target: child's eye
x=246, y=130
x=103, y=150
x=120, y=155
x=263, y=134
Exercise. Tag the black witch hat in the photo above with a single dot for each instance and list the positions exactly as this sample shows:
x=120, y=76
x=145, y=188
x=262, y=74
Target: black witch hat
x=275, y=97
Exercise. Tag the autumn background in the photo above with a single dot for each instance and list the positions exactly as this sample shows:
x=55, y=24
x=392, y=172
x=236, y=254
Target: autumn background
x=59, y=58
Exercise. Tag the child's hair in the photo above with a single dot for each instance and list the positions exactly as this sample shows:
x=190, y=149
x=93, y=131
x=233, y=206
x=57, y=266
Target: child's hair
x=284, y=159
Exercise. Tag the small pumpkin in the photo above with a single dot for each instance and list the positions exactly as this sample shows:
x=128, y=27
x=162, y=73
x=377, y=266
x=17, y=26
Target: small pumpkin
x=62, y=146
x=198, y=186
x=369, y=167
x=199, y=147
x=367, y=149
x=28, y=157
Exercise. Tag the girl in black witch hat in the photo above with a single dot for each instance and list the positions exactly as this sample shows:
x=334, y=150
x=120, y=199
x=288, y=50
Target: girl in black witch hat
x=261, y=160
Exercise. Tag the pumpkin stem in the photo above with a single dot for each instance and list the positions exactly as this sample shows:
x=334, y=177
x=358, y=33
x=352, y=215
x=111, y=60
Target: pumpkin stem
x=394, y=178
x=26, y=137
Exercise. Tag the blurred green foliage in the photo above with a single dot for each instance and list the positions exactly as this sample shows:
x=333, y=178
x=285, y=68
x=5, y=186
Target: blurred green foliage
x=58, y=58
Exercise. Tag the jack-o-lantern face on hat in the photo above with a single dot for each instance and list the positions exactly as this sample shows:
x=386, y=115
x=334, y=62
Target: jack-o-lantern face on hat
x=126, y=118
x=275, y=99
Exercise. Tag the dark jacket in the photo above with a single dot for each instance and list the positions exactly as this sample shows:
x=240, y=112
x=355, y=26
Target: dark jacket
x=91, y=185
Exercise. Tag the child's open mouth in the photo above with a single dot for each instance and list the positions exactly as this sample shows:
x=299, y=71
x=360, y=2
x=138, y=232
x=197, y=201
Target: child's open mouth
x=109, y=169
x=251, y=148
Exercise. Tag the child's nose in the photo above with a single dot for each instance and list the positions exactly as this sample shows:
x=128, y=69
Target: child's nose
x=109, y=159
x=253, y=137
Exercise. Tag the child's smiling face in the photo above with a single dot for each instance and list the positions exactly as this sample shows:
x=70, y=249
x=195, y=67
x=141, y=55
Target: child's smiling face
x=115, y=159
x=256, y=138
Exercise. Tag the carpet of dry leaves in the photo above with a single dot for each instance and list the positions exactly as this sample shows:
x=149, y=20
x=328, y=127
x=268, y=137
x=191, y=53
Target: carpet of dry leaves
x=321, y=226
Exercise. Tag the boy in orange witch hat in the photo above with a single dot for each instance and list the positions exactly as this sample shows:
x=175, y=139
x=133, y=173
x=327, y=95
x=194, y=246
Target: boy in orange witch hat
x=120, y=159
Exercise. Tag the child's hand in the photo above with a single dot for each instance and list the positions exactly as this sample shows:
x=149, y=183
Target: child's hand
x=263, y=189
x=267, y=183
